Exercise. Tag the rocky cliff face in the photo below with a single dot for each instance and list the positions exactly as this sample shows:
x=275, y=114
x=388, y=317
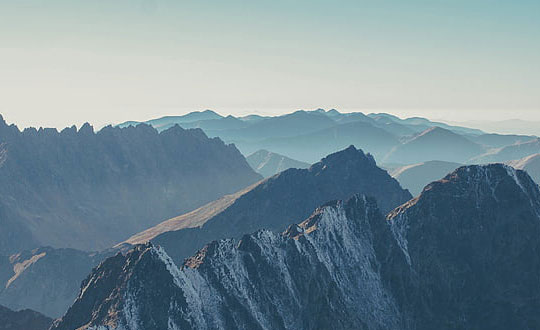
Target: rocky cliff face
x=472, y=241
x=293, y=194
x=463, y=255
x=323, y=273
x=87, y=190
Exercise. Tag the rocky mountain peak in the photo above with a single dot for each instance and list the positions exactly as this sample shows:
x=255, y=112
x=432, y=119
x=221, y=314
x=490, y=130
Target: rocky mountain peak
x=485, y=180
x=344, y=158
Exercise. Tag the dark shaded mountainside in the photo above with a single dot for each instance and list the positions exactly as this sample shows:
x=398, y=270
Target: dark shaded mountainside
x=274, y=203
x=463, y=255
x=87, y=190
x=530, y=164
x=23, y=320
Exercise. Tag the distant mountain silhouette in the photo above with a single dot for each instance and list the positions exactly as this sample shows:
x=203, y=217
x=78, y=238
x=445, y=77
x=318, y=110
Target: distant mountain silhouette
x=530, y=164
x=416, y=176
x=313, y=146
x=500, y=140
x=166, y=122
x=309, y=135
x=434, y=144
x=269, y=163
x=87, y=190
x=510, y=152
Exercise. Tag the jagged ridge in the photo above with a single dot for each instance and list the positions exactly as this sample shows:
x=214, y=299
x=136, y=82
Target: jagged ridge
x=462, y=255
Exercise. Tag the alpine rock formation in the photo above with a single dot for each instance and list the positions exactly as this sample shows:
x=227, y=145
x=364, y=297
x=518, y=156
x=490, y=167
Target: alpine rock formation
x=462, y=255
x=276, y=202
x=323, y=273
x=89, y=190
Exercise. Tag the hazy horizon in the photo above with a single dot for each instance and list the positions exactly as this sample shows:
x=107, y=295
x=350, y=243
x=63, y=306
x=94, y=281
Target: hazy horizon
x=70, y=62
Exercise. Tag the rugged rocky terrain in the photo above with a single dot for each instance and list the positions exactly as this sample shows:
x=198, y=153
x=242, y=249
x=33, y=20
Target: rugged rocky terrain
x=23, y=320
x=310, y=135
x=462, y=255
x=88, y=190
x=275, y=203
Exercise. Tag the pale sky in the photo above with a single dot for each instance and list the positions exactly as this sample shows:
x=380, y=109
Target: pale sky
x=65, y=62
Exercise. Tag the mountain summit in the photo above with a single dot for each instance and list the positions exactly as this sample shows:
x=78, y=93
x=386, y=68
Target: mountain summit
x=273, y=203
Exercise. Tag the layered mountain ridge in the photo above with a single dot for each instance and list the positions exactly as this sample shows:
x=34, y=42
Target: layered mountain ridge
x=88, y=190
x=462, y=255
x=276, y=201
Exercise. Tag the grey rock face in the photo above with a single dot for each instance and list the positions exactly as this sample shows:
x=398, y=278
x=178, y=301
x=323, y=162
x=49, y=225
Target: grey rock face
x=323, y=273
x=87, y=190
x=463, y=255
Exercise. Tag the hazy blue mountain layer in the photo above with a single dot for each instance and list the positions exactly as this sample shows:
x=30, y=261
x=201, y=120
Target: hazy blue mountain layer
x=88, y=190
x=268, y=163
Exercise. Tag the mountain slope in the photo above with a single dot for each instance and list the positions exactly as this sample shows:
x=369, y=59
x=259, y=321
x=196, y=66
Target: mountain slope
x=471, y=240
x=511, y=152
x=87, y=190
x=311, y=147
x=321, y=274
x=500, y=140
x=415, y=177
x=462, y=255
x=434, y=144
x=530, y=164
x=272, y=204
x=269, y=163
x=23, y=320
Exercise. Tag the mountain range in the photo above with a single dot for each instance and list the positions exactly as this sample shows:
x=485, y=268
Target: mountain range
x=272, y=203
x=268, y=204
x=308, y=136
x=461, y=255
x=86, y=190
